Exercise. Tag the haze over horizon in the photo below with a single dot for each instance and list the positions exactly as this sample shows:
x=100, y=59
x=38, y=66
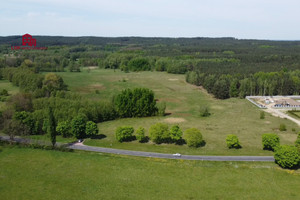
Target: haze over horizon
x=254, y=19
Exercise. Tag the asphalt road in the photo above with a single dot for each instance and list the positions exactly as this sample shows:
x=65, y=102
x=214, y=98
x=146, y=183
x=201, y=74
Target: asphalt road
x=171, y=156
x=79, y=146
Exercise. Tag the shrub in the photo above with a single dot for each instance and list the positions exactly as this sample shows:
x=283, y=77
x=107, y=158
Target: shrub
x=161, y=109
x=124, y=133
x=282, y=127
x=139, y=64
x=15, y=127
x=91, y=128
x=22, y=102
x=161, y=64
x=287, y=156
x=193, y=137
x=78, y=126
x=177, y=67
x=232, y=141
x=175, y=133
x=140, y=135
x=64, y=129
x=204, y=111
x=26, y=119
x=297, y=143
x=51, y=126
x=159, y=133
x=4, y=92
x=262, y=115
x=270, y=141
x=45, y=125
x=52, y=82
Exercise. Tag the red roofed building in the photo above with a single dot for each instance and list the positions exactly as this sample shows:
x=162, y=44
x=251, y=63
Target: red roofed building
x=27, y=39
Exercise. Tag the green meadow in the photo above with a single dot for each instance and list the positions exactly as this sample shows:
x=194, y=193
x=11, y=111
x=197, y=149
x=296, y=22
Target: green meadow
x=40, y=174
x=231, y=116
x=5, y=84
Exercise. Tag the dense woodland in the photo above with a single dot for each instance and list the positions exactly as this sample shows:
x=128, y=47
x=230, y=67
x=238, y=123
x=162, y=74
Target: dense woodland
x=225, y=67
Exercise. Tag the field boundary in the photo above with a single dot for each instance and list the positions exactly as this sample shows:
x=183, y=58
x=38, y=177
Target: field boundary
x=80, y=146
x=249, y=98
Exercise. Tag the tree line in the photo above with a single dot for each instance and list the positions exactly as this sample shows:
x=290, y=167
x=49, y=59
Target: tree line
x=177, y=55
x=261, y=83
x=27, y=112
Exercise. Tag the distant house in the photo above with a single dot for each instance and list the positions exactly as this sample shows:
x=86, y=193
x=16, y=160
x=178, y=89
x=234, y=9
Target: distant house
x=27, y=39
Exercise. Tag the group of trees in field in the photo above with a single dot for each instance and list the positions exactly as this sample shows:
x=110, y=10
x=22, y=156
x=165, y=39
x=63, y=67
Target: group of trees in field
x=135, y=62
x=260, y=83
x=33, y=82
x=28, y=112
x=53, y=60
x=160, y=133
x=286, y=156
x=31, y=113
x=138, y=102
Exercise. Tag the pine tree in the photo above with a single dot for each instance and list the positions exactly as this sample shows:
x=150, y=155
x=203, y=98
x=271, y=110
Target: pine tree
x=51, y=126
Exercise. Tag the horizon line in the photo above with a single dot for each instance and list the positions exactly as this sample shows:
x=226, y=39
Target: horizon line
x=166, y=37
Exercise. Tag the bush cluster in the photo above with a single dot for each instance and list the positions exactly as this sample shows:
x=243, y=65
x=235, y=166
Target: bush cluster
x=204, y=111
x=124, y=133
x=262, y=115
x=282, y=127
x=297, y=142
x=270, y=141
x=161, y=108
x=140, y=135
x=160, y=133
x=287, y=156
x=232, y=141
x=193, y=137
x=78, y=127
x=139, y=64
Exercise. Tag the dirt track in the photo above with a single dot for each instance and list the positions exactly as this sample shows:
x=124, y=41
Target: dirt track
x=279, y=113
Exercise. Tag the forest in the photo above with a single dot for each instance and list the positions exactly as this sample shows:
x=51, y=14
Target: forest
x=225, y=67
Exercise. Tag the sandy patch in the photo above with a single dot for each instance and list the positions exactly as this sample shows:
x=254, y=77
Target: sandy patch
x=93, y=67
x=218, y=107
x=267, y=122
x=173, y=120
x=183, y=114
x=173, y=79
x=96, y=86
x=91, y=88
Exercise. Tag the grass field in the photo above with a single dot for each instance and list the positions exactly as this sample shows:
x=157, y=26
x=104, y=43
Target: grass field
x=5, y=84
x=294, y=114
x=231, y=116
x=39, y=174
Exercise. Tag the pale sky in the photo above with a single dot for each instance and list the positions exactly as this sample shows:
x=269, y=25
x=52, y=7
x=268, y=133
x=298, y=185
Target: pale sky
x=243, y=19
